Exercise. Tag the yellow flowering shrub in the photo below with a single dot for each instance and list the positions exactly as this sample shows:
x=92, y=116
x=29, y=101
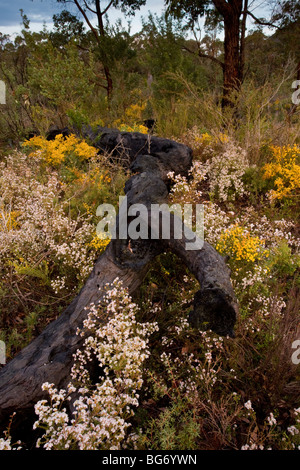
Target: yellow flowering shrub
x=203, y=142
x=197, y=140
x=240, y=245
x=135, y=112
x=98, y=244
x=223, y=138
x=204, y=138
x=133, y=115
x=285, y=170
x=94, y=177
x=54, y=152
x=134, y=128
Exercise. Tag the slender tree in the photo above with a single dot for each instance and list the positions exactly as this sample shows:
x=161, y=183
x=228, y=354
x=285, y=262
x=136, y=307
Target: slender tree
x=92, y=10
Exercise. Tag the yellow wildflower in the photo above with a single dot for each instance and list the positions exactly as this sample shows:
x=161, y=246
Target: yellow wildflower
x=135, y=111
x=54, y=152
x=223, y=138
x=99, y=244
x=285, y=169
x=241, y=245
x=134, y=128
x=8, y=221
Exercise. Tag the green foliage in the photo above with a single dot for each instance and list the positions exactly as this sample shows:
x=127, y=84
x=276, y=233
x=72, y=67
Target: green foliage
x=40, y=272
x=67, y=27
x=64, y=80
x=255, y=183
x=163, y=44
x=283, y=262
x=176, y=428
x=189, y=7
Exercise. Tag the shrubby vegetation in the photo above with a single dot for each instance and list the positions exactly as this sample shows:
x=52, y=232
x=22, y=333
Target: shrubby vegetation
x=163, y=384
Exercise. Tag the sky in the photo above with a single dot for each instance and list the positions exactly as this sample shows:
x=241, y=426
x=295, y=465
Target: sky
x=42, y=11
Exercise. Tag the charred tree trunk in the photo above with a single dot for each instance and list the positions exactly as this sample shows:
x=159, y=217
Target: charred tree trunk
x=49, y=357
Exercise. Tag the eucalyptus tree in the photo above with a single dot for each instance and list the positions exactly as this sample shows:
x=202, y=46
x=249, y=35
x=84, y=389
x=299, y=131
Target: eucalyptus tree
x=94, y=12
x=233, y=15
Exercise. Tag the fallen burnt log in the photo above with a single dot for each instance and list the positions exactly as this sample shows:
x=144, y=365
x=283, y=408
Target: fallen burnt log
x=48, y=358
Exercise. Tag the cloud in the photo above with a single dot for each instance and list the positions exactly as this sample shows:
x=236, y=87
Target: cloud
x=37, y=11
x=42, y=11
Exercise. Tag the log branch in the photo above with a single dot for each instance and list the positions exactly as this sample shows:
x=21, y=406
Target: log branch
x=48, y=358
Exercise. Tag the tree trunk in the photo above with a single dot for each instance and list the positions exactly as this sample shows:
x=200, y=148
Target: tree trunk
x=242, y=42
x=231, y=77
x=109, y=86
x=104, y=58
x=48, y=358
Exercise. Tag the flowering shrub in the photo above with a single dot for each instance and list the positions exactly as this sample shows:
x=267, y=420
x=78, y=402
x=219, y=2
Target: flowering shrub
x=39, y=221
x=48, y=240
x=285, y=171
x=198, y=374
x=101, y=410
x=238, y=243
x=188, y=190
x=135, y=111
x=6, y=444
x=222, y=163
x=58, y=151
x=131, y=120
x=199, y=141
x=134, y=128
x=225, y=171
x=98, y=244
